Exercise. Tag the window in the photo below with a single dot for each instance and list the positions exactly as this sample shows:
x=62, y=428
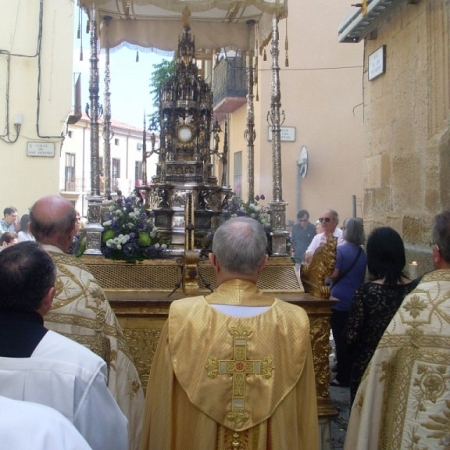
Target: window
x=115, y=173
x=237, y=180
x=69, y=172
x=69, y=134
x=116, y=141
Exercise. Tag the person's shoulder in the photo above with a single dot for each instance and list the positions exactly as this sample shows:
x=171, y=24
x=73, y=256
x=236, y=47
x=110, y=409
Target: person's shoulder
x=186, y=305
x=292, y=312
x=49, y=426
x=58, y=347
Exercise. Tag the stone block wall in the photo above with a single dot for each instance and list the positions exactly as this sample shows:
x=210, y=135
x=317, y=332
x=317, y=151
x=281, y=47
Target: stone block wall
x=407, y=124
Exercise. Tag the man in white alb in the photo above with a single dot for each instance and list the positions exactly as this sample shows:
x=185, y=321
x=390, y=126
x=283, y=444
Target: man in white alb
x=41, y=366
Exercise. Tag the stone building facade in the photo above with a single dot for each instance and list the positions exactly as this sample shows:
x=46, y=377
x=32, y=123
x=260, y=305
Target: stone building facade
x=406, y=117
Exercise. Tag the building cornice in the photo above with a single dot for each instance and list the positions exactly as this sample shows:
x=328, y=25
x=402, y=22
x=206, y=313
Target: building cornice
x=357, y=26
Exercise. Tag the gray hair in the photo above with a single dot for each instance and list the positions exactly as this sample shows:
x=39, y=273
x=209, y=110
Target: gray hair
x=440, y=234
x=240, y=245
x=334, y=214
x=354, y=231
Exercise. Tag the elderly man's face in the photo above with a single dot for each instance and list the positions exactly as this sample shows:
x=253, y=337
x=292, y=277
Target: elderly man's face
x=328, y=222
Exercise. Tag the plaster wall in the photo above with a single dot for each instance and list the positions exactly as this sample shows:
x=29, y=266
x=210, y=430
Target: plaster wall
x=406, y=116
x=35, y=81
x=321, y=95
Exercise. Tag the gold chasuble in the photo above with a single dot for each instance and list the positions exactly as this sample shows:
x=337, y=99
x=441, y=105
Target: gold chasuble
x=403, y=401
x=82, y=313
x=232, y=383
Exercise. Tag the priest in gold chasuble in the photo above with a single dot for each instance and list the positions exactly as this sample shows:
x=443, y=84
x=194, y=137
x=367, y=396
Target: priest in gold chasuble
x=403, y=401
x=233, y=370
x=82, y=312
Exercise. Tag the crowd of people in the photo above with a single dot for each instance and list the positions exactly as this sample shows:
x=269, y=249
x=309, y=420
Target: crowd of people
x=233, y=369
x=391, y=333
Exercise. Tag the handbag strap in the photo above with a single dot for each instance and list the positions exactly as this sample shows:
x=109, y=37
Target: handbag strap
x=348, y=269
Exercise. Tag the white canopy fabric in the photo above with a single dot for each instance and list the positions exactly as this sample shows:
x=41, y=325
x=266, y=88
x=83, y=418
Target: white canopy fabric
x=156, y=24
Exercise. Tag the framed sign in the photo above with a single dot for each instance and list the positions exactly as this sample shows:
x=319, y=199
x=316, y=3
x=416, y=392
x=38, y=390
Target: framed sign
x=377, y=63
x=287, y=134
x=46, y=149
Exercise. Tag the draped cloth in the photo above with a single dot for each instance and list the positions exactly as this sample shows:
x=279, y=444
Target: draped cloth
x=404, y=398
x=218, y=381
x=42, y=428
x=82, y=312
x=156, y=24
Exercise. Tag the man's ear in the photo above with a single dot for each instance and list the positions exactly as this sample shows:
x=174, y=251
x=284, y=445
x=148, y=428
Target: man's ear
x=437, y=257
x=263, y=263
x=47, y=301
x=213, y=260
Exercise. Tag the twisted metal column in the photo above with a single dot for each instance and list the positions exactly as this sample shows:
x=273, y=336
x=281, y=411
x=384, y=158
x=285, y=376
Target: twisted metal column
x=275, y=119
x=107, y=114
x=225, y=156
x=93, y=97
x=93, y=227
x=250, y=133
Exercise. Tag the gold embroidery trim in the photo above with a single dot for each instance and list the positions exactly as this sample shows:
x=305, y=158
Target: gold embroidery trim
x=239, y=369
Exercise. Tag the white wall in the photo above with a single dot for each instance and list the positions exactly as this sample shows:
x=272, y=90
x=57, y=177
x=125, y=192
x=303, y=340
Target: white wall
x=43, y=100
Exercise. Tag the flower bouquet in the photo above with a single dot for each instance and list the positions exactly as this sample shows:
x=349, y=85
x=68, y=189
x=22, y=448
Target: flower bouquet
x=129, y=233
x=236, y=207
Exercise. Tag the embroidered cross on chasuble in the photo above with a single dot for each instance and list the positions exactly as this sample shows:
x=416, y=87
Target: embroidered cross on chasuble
x=239, y=369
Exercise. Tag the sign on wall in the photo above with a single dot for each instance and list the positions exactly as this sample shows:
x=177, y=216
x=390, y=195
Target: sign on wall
x=287, y=134
x=46, y=149
x=377, y=63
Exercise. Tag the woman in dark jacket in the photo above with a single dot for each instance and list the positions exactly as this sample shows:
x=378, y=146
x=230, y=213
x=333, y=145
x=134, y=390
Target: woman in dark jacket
x=376, y=302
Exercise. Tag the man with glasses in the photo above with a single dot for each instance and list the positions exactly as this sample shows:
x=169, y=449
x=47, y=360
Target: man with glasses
x=403, y=400
x=10, y=221
x=329, y=221
x=302, y=235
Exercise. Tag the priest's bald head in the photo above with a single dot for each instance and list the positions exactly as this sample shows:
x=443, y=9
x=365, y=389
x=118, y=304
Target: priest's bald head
x=53, y=221
x=27, y=278
x=239, y=250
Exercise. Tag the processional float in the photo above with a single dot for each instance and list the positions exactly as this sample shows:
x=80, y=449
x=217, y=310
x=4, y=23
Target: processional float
x=185, y=196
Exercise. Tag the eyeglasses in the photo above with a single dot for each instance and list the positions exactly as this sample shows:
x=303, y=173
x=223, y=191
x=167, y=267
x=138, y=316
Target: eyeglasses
x=435, y=246
x=324, y=219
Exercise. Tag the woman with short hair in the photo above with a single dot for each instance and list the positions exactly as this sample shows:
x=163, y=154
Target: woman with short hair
x=348, y=275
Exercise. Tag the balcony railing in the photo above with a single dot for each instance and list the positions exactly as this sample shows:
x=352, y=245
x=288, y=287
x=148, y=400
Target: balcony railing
x=229, y=80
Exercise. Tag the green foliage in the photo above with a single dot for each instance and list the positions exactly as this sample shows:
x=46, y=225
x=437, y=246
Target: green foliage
x=161, y=73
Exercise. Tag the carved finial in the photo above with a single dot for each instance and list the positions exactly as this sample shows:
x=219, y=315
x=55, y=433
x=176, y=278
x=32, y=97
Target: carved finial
x=186, y=17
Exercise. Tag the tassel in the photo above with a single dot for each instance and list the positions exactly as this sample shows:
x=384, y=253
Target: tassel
x=265, y=55
x=81, y=54
x=88, y=26
x=79, y=24
x=137, y=56
x=257, y=93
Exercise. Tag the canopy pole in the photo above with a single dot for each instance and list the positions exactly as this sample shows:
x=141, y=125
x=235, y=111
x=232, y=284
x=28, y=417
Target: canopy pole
x=250, y=133
x=93, y=227
x=107, y=134
x=275, y=119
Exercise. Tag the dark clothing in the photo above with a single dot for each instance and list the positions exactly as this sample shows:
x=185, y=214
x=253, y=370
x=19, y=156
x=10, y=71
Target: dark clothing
x=301, y=238
x=373, y=307
x=20, y=333
x=338, y=320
